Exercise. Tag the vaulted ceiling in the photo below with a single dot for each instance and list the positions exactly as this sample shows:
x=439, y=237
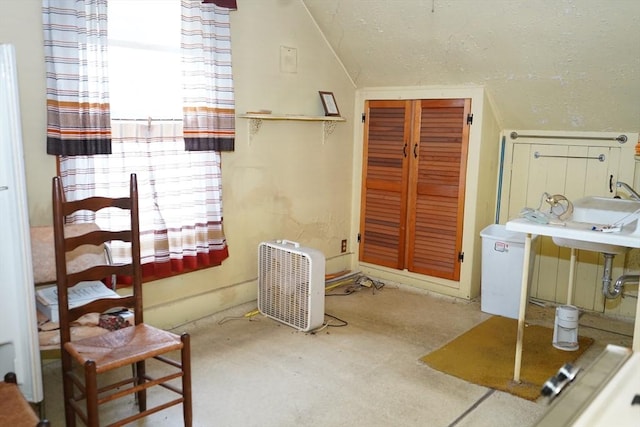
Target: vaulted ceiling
x=546, y=64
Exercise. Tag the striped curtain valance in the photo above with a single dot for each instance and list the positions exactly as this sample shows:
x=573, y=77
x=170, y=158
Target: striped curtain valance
x=209, y=129
x=75, y=44
x=229, y=4
x=209, y=103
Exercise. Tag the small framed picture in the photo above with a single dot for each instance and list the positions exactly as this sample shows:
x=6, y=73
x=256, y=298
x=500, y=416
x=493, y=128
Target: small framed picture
x=329, y=104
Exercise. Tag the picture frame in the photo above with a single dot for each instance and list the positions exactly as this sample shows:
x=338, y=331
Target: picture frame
x=329, y=104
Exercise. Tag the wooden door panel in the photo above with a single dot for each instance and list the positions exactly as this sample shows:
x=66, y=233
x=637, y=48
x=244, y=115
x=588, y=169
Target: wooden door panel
x=437, y=187
x=413, y=185
x=384, y=184
x=380, y=236
x=433, y=240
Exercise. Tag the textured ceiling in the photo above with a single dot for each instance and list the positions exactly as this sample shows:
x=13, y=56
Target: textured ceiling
x=546, y=64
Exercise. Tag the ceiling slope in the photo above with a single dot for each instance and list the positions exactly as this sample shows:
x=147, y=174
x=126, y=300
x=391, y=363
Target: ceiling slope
x=546, y=64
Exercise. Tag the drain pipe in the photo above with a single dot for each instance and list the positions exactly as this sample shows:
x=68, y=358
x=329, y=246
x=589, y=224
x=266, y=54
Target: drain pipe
x=606, y=278
x=607, y=291
x=623, y=280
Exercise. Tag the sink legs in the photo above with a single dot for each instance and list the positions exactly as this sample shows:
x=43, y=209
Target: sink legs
x=572, y=268
x=524, y=296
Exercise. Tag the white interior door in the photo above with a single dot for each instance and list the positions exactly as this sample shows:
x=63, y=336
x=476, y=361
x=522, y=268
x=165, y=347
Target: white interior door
x=19, y=350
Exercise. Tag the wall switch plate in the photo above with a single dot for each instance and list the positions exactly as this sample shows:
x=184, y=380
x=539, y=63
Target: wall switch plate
x=343, y=247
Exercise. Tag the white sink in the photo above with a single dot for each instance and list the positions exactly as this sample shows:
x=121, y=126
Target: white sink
x=594, y=215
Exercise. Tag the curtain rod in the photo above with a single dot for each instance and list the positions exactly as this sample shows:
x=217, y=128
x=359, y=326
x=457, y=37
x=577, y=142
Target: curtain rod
x=621, y=139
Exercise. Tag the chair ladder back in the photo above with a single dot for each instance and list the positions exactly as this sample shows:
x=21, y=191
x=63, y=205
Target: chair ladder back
x=61, y=260
x=96, y=238
x=136, y=261
x=111, y=350
x=96, y=203
x=63, y=245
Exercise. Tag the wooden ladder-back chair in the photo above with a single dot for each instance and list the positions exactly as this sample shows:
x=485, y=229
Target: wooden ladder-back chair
x=129, y=346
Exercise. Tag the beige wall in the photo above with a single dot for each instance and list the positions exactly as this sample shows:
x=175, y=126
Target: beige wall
x=287, y=181
x=21, y=25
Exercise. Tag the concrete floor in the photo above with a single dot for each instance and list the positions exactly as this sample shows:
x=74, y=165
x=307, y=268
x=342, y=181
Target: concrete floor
x=259, y=372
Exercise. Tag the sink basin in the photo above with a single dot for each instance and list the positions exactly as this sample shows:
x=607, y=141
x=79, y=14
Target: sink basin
x=593, y=214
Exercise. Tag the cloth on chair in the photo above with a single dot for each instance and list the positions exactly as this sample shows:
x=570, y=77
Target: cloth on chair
x=44, y=256
x=44, y=272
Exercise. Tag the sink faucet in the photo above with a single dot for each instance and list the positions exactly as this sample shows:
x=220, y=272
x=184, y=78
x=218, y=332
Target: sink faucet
x=632, y=193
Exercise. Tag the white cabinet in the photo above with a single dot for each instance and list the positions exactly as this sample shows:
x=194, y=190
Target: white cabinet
x=19, y=350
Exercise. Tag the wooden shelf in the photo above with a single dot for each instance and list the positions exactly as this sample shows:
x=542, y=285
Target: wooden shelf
x=255, y=121
x=292, y=117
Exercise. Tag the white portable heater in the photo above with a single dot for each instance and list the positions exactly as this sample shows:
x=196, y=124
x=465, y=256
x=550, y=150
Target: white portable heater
x=291, y=284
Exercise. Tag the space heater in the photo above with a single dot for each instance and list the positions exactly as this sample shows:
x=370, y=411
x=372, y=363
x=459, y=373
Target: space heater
x=291, y=284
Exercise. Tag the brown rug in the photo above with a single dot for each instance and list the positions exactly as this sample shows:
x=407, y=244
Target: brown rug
x=485, y=355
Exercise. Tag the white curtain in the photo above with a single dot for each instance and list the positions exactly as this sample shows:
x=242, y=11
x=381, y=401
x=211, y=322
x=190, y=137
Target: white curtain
x=209, y=106
x=180, y=191
x=181, y=226
x=75, y=47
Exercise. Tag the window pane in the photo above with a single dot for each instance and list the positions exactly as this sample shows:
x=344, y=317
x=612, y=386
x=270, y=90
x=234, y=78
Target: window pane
x=144, y=59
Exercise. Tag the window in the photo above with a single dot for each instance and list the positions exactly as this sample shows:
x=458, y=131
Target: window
x=150, y=68
x=144, y=59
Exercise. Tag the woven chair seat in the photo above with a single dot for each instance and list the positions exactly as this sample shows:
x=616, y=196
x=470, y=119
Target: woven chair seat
x=14, y=410
x=124, y=346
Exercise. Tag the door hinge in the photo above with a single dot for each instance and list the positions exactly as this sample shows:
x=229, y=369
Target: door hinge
x=469, y=119
x=359, y=238
x=364, y=117
x=461, y=256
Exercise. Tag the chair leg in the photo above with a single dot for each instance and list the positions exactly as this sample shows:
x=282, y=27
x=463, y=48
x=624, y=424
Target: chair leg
x=185, y=355
x=91, y=385
x=142, y=394
x=67, y=390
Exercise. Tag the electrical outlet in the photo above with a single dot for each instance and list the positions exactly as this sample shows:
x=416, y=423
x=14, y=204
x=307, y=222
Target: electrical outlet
x=343, y=247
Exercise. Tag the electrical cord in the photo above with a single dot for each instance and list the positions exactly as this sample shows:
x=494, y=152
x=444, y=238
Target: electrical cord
x=329, y=325
x=344, y=322
x=249, y=315
x=347, y=291
x=369, y=282
x=359, y=282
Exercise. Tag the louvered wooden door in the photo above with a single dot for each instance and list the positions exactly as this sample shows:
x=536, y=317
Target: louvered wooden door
x=437, y=187
x=384, y=183
x=414, y=185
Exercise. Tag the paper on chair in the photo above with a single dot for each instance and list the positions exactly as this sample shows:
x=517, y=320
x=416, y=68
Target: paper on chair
x=80, y=294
